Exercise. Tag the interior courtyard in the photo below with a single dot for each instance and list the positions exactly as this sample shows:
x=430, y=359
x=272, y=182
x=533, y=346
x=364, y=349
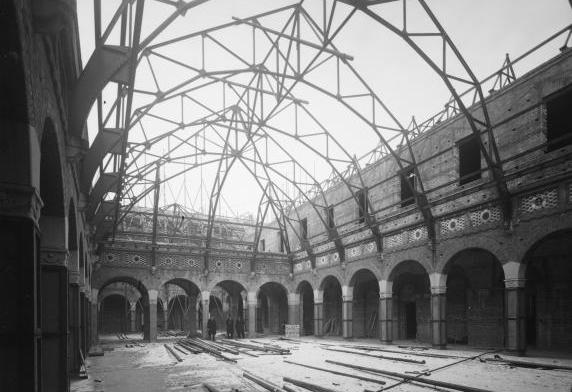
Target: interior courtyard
x=365, y=188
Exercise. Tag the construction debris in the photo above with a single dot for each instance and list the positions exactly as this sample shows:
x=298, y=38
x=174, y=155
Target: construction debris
x=526, y=364
x=262, y=382
x=457, y=387
x=351, y=375
x=421, y=362
x=307, y=385
x=177, y=356
x=430, y=355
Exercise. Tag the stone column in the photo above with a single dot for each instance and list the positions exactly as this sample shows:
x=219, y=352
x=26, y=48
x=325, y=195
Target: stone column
x=133, y=316
x=347, y=311
x=385, y=311
x=252, y=303
x=74, y=315
x=165, y=317
x=439, y=316
x=94, y=317
x=205, y=298
x=150, y=327
x=54, y=297
x=515, y=316
x=318, y=312
x=192, y=315
x=294, y=308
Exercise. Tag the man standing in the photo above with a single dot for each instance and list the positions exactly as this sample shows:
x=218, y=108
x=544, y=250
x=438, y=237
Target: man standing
x=239, y=326
x=211, y=328
x=229, y=327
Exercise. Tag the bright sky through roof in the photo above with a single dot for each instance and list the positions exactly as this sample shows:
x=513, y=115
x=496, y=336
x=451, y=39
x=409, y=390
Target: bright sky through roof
x=483, y=31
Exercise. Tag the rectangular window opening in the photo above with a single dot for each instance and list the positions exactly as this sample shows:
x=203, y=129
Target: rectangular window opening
x=330, y=215
x=558, y=120
x=407, y=184
x=304, y=228
x=263, y=245
x=362, y=203
x=281, y=240
x=469, y=159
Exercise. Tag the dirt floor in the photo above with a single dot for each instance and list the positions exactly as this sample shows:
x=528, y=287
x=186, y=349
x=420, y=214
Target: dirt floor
x=140, y=367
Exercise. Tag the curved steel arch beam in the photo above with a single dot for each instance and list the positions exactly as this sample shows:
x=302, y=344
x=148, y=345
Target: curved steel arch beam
x=491, y=157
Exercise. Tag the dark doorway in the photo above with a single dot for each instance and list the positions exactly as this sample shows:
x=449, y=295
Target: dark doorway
x=531, y=320
x=411, y=320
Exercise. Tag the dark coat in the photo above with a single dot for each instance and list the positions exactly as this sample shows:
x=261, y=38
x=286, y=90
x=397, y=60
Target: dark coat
x=229, y=324
x=211, y=325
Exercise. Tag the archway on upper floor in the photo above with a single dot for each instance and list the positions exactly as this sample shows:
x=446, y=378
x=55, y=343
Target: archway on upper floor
x=306, y=308
x=365, y=304
x=180, y=301
x=548, y=292
x=475, y=299
x=332, y=306
x=272, y=308
x=135, y=311
x=411, y=302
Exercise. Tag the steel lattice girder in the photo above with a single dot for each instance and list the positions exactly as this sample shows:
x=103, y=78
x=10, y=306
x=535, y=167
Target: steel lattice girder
x=292, y=73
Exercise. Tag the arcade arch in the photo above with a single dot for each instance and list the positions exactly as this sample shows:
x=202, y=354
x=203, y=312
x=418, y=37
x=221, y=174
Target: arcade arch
x=332, y=306
x=306, y=308
x=411, y=301
x=475, y=299
x=548, y=293
x=272, y=308
x=365, y=287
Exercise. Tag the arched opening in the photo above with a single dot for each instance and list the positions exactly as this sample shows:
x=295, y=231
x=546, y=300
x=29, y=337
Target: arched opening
x=272, y=312
x=332, y=321
x=306, y=308
x=53, y=290
x=411, y=302
x=548, y=293
x=74, y=275
x=365, y=304
x=132, y=315
x=179, y=312
x=230, y=309
x=181, y=300
x=115, y=314
x=161, y=314
x=475, y=299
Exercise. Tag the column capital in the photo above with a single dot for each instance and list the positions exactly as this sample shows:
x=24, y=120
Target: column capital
x=94, y=294
x=438, y=279
x=54, y=256
x=205, y=295
x=252, y=298
x=293, y=299
x=347, y=293
x=436, y=290
x=20, y=201
x=133, y=306
x=514, y=270
x=385, y=286
x=153, y=295
x=318, y=296
x=514, y=283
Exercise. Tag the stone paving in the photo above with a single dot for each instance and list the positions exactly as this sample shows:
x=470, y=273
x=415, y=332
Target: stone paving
x=149, y=367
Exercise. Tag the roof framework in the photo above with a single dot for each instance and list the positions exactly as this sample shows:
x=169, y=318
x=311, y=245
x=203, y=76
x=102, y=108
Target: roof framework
x=194, y=105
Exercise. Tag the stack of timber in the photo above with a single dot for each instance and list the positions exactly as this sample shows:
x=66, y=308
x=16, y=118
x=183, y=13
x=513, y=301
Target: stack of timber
x=197, y=345
x=417, y=361
x=266, y=348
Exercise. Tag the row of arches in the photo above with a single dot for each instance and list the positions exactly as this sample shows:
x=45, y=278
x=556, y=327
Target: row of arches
x=467, y=305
